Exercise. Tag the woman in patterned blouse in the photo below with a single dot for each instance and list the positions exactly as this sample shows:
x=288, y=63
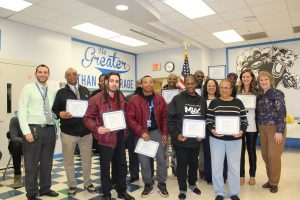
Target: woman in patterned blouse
x=271, y=113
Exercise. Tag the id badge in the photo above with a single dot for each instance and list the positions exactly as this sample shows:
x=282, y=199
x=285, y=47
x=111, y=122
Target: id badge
x=148, y=123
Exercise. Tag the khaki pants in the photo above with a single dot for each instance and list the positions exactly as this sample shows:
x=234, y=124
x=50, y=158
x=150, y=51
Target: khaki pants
x=68, y=147
x=271, y=152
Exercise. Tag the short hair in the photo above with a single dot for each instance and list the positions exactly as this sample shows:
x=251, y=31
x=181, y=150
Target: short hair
x=70, y=68
x=189, y=76
x=232, y=74
x=173, y=75
x=146, y=76
x=198, y=71
x=268, y=75
x=42, y=65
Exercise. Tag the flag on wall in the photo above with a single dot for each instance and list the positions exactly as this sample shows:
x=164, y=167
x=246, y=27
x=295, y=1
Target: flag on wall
x=185, y=70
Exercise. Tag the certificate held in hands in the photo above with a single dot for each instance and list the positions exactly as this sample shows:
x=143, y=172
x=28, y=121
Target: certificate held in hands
x=169, y=94
x=147, y=148
x=227, y=125
x=114, y=121
x=76, y=108
x=193, y=128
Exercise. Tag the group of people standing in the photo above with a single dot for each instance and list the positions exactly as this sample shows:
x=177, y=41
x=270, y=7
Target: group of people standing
x=149, y=117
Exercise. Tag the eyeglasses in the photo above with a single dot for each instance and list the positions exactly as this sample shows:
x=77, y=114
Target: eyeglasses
x=225, y=88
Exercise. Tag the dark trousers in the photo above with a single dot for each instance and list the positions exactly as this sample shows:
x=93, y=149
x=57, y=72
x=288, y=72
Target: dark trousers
x=39, y=155
x=207, y=160
x=15, y=148
x=187, y=166
x=117, y=157
x=249, y=140
x=133, y=157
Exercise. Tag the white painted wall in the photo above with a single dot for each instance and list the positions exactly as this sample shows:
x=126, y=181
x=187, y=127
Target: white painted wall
x=218, y=57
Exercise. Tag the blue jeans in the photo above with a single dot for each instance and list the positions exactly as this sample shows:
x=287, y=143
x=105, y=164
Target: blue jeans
x=218, y=148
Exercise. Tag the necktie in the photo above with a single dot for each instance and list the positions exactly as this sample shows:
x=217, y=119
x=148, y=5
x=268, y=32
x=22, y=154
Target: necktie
x=76, y=92
x=47, y=111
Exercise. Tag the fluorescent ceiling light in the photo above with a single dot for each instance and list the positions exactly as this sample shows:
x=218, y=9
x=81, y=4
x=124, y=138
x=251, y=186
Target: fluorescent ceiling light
x=191, y=8
x=128, y=41
x=95, y=30
x=122, y=7
x=228, y=36
x=14, y=5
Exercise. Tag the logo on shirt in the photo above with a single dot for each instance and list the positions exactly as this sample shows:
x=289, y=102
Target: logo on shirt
x=192, y=109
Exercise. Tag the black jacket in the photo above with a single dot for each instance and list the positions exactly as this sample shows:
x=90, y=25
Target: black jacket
x=72, y=126
x=181, y=107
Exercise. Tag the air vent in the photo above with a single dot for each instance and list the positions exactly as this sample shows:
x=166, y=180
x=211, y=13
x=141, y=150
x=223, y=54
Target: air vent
x=254, y=36
x=296, y=29
x=148, y=36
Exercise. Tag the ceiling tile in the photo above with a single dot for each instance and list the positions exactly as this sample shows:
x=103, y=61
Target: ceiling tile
x=226, y=5
x=240, y=23
x=297, y=35
x=163, y=8
x=274, y=17
x=279, y=25
x=295, y=13
x=236, y=14
x=282, y=37
x=258, y=41
x=60, y=6
x=109, y=21
x=67, y=21
x=172, y=18
x=259, y=2
x=280, y=31
x=249, y=30
x=87, y=13
x=269, y=8
x=293, y=4
x=39, y=12
x=205, y=37
x=208, y=20
x=6, y=13
x=181, y=26
x=19, y=17
x=217, y=28
x=195, y=31
x=296, y=22
x=51, y=26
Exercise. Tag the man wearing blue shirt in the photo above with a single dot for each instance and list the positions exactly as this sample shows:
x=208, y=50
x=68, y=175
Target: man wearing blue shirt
x=37, y=125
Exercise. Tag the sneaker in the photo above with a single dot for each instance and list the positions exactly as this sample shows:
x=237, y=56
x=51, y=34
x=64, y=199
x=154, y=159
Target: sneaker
x=17, y=181
x=252, y=181
x=72, y=191
x=126, y=196
x=219, y=197
x=90, y=188
x=235, y=197
x=195, y=189
x=162, y=188
x=148, y=189
x=181, y=196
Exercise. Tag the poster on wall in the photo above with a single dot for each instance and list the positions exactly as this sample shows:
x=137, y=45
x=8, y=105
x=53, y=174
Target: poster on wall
x=281, y=59
x=92, y=60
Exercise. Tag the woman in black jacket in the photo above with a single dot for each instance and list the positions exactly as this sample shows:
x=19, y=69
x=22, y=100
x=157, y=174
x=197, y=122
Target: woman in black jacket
x=187, y=105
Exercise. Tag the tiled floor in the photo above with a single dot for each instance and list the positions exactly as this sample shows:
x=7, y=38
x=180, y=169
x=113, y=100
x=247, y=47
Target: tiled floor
x=289, y=187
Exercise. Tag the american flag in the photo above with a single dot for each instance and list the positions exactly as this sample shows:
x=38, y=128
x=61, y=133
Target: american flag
x=185, y=71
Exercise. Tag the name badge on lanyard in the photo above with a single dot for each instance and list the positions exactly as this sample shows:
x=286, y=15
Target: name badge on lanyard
x=150, y=109
x=44, y=96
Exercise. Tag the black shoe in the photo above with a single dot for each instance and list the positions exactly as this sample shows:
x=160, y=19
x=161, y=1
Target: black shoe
x=107, y=197
x=266, y=185
x=162, y=188
x=125, y=196
x=148, y=189
x=31, y=198
x=51, y=193
x=195, y=189
x=131, y=180
x=72, y=191
x=219, y=197
x=181, y=196
x=273, y=188
x=235, y=197
x=90, y=188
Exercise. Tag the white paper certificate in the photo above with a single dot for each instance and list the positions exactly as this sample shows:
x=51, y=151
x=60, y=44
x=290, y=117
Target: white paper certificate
x=193, y=128
x=249, y=101
x=227, y=125
x=169, y=94
x=114, y=121
x=76, y=108
x=147, y=148
x=198, y=91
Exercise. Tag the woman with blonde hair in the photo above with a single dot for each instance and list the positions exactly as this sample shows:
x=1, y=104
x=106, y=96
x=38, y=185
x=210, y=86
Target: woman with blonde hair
x=271, y=113
x=248, y=86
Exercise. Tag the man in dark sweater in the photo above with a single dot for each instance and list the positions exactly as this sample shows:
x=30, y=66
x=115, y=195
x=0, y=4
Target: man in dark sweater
x=73, y=132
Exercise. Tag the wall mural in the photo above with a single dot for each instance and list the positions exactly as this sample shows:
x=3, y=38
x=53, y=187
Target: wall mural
x=281, y=59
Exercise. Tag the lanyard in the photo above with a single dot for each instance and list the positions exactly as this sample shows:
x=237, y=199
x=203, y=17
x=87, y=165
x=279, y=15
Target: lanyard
x=44, y=95
x=150, y=109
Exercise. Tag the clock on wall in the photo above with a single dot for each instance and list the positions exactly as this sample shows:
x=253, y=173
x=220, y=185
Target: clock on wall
x=169, y=66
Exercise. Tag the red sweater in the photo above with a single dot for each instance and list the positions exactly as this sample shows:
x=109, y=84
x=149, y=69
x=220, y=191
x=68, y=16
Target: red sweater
x=93, y=118
x=137, y=114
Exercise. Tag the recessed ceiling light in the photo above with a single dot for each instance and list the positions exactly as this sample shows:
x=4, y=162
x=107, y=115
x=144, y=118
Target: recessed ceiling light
x=96, y=30
x=122, y=7
x=128, y=41
x=14, y=5
x=191, y=8
x=228, y=36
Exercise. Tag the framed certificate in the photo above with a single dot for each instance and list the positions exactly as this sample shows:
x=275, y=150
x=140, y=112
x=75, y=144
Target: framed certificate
x=249, y=101
x=217, y=72
x=76, y=108
x=147, y=148
x=198, y=91
x=193, y=128
x=169, y=94
x=114, y=121
x=227, y=125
